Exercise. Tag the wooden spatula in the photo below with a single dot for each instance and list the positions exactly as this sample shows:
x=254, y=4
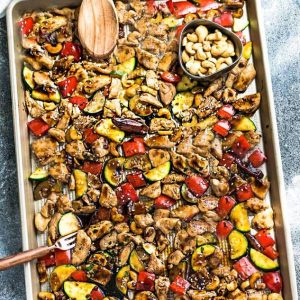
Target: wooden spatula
x=98, y=27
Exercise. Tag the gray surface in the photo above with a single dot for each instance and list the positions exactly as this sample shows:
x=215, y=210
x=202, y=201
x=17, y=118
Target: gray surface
x=282, y=19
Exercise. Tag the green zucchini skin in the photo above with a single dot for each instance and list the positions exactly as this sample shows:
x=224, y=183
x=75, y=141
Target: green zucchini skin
x=187, y=195
x=159, y=172
x=78, y=290
x=39, y=175
x=243, y=124
x=239, y=218
x=238, y=244
x=27, y=76
x=113, y=170
x=68, y=224
x=262, y=261
x=96, y=104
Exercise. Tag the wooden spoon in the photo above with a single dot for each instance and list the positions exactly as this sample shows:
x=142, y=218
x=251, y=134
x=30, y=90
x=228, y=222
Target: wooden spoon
x=98, y=27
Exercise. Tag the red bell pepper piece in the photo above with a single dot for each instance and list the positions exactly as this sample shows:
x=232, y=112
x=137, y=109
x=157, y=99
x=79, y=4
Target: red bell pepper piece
x=26, y=25
x=225, y=20
x=136, y=179
x=126, y=193
x=241, y=146
x=271, y=252
x=145, y=281
x=92, y=167
x=244, y=268
x=151, y=7
x=244, y=192
x=182, y=8
x=164, y=202
x=264, y=238
x=273, y=281
x=179, y=285
x=79, y=275
x=223, y=229
x=38, y=127
x=206, y=5
x=97, y=294
x=134, y=147
x=71, y=49
x=241, y=37
x=80, y=101
x=68, y=86
x=62, y=257
x=226, y=112
x=48, y=259
x=179, y=30
x=170, y=77
x=257, y=158
x=222, y=127
x=226, y=203
x=90, y=136
x=197, y=185
x=226, y=160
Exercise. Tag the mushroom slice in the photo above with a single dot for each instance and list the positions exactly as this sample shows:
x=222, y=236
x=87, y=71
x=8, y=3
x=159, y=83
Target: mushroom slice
x=248, y=104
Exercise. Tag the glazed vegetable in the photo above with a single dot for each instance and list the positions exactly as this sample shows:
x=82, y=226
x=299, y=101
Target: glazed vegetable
x=59, y=275
x=81, y=183
x=79, y=275
x=197, y=185
x=129, y=125
x=238, y=244
x=136, y=179
x=223, y=229
x=28, y=77
x=225, y=19
x=244, y=192
x=145, y=281
x=95, y=105
x=159, y=172
x=122, y=279
x=62, y=257
x=179, y=285
x=107, y=129
x=39, y=174
x=26, y=25
x=67, y=86
x=79, y=290
x=273, y=281
x=226, y=203
x=164, y=202
x=80, y=101
x=241, y=146
x=243, y=123
x=227, y=160
x=113, y=171
x=68, y=224
x=170, y=77
x=239, y=217
x=247, y=50
x=244, y=268
x=38, y=127
x=222, y=127
x=264, y=238
x=125, y=193
x=134, y=147
x=92, y=167
x=226, y=112
x=71, y=49
x=262, y=261
x=90, y=136
x=257, y=158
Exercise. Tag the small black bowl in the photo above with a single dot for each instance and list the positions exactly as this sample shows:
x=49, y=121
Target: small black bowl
x=211, y=26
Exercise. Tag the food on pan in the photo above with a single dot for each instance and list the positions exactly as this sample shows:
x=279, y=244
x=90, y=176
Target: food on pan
x=158, y=175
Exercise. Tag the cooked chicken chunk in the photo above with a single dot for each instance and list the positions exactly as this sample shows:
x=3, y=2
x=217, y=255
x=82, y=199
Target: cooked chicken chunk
x=197, y=227
x=159, y=141
x=143, y=221
x=82, y=248
x=50, y=25
x=108, y=241
x=151, y=191
x=184, y=242
x=158, y=157
x=125, y=253
x=185, y=212
x=45, y=150
x=100, y=147
x=123, y=53
x=33, y=108
x=153, y=45
x=76, y=149
x=155, y=265
x=160, y=213
x=162, y=287
x=150, y=99
x=93, y=84
x=207, y=202
x=245, y=78
x=172, y=190
x=60, y=172
x=167, y=224
x=167, y=61
x=108, y=196
x=167, y=92
x=256, y=205
x=175, y=257
x=152, y=80
x=98, y=230
x=248, y=104
x=264, y=219
x=147, y=59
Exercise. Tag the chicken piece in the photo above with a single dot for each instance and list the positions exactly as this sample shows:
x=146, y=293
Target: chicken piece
x=67, y=12
x=155, y=265
x=158, y=124
x=64, y=204
x=64, y=121
x=173, y=178
x=143, y=221
x=186, y=148
x=213, y=87
x=58, y=134
x=253, y=138
x=237, y=294
x=82, y=248
x=108, y=241
x=140, y=162
x=33, y=108
x=60, y=172
x=234, y=4
x=100, y=147
x=201, y=295
x=51, y=118
x=173, y=45
x=167, y=92
x=32, y=62
x=274, y=296
x=162, y=285
x=45, y=150
x=115, y=88
x=248, y=104
x=207, y=202
x=48, y=208
x=108, y=196
x=147, y=98
x=43, y=79
x=160, y=213
x=230, y=139
x=216, y=148
x=264, y=219
x=147, y=59
x=76, y=149
x=125, y=16
x=184, y=242
x=167, y=224
x=102, y=67
x=158, y=141
x=149, y=234
x=245, y=78
x=185, y=212
x=199, y=163
x=121, y=227
x=93, y=84
x=162, y=242
x=204, y=139
x=158, y=157
x=123, y=53
x=152, y=80
x=83, y=122
x=40, y=222
x=235, y=72
x=50, y=25
x=98, y=230
x=207, y=106
x=158, y=30
x=197, y=227
x=151, y=191
x=219, y=187
x=167, y=61
x=133, y=38
x=216, y=258
x=229, y=95
x=172, y=190
x=256, y=205
x=53, y=226
x=180, y=162
x=255, y=295
x=124, y=254
x=153, y=45
x=175, y=257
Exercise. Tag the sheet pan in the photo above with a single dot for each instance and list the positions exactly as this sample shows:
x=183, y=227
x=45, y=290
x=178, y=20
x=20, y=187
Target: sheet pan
x=265, y=120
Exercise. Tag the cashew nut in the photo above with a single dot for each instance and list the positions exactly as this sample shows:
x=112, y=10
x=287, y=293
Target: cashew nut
x=208, y=54
x=196, y=46
x=230, y=50
x=212, y=70
x=184, y=41
x=216, y=36
x=201, y=32
x=245, y=285
x=185, y=57
x=164, y=112
x=218, y=48
x=213, y=60
x=200, y=54
x=192, y=37
x=189, y=48
x=208, y=64
x=193, y=66
x=253, y=278
x=206, y=46
x=213, y=285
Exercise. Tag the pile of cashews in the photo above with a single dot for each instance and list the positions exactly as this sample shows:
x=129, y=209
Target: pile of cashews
x=206, y=53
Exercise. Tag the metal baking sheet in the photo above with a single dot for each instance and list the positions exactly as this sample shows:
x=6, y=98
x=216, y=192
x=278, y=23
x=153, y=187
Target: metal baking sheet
x=265, y=120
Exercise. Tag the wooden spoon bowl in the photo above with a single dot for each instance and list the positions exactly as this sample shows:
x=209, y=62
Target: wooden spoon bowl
x=98, y=27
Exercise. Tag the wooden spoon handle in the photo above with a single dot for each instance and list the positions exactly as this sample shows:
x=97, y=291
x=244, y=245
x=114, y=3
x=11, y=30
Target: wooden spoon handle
x=22, y=257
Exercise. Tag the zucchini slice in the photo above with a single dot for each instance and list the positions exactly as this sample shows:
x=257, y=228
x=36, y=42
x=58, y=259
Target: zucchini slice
x=28, y=78
x=81, y=183
x=262, y=261
x=113, y=171
x=107, y=129
x=239, y=24
x=139, y=108
x=96, y=104
x=68, y=224
x=135, y=262
x=78, y=290
x=39, y=174
x=206, y=238
x=243, y=123
x=171, y=21
x=179, y=270
x=185, y=84
x=199, y=254
x=238, y=244
x=49, y=106
x=247, y=50
x=187, y=195
x=46, y=97
x=159, y=172
x=59, y=275
x=182, y=102
x=149, y=248
x=122, y=279
x=239, y=218
x=127, y=66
